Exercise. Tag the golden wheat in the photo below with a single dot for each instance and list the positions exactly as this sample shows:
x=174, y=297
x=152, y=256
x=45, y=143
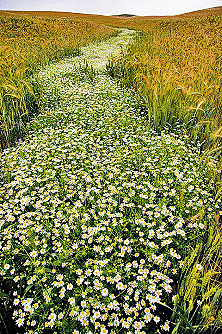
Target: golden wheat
x=176, y=66
x=25, y=45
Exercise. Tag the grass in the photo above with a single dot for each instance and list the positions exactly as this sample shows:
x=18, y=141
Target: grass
x=175, y=65
x=95, y=208
x=110, y=214
x=137, y=22
x=27, y=44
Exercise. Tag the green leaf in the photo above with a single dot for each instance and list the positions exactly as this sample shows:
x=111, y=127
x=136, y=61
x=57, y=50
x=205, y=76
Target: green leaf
x=182, y=317
x=217, y=294
x=176, y=328
x=27, y=289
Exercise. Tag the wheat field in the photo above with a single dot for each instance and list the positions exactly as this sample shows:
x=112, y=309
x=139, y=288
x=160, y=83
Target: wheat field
x=126, y=159
x=175, y=65
x=27, y=44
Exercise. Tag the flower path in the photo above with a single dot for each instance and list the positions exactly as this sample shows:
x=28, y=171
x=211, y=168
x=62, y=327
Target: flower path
x=94, y=207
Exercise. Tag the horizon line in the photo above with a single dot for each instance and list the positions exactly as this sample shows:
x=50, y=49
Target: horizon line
x=59, y=11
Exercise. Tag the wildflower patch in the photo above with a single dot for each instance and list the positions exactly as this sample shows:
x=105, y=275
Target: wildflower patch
x=94, y=209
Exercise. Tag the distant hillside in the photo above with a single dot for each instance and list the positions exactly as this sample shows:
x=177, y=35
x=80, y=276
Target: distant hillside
x=119, y=21
x=105, y=19
x=203, y=12
x=124, y=15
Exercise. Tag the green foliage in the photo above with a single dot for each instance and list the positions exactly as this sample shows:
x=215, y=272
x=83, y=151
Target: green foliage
x=199, y=295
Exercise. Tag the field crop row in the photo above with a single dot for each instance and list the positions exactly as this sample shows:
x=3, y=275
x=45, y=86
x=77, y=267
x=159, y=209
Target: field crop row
x=176, y=67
